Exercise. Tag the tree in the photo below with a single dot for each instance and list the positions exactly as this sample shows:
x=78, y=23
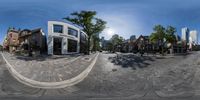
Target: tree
x=158, y=36
x=160, y=33
x=116, y=40
x=170, y=37
x=90, y=24
x=109, y=46
x=96, y=41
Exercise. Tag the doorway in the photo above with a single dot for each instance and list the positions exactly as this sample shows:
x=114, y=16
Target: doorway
x=57, y=46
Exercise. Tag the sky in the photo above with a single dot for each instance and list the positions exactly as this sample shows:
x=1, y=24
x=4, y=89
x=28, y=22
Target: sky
x=123, y=17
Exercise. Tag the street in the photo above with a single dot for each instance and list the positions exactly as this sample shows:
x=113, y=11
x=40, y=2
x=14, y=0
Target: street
x=120, y=77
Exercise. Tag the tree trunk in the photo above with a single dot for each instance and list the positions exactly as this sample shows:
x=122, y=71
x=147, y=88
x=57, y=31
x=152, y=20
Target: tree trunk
x=88, y=45
x=162, y=48
x=95, y=45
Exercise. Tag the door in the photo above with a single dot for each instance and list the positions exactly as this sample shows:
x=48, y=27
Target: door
x=57, y=46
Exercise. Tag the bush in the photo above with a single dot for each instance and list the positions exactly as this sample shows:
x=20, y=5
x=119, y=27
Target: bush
x=17, y=52
x=196, y=48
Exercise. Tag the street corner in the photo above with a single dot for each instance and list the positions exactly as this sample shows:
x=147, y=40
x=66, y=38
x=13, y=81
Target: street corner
x=50, y=73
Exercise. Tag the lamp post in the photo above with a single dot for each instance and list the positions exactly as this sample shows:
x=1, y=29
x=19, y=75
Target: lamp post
x=142, y=46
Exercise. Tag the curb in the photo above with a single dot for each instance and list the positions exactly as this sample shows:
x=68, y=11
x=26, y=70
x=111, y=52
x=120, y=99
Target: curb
x=50, y=85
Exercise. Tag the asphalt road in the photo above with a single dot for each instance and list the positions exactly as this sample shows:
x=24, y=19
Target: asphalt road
x=120, y=77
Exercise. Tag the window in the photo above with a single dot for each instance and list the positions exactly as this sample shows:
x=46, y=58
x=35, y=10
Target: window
x=72, y=32
x=72, y=45
x=83, y=36
x=57, y=28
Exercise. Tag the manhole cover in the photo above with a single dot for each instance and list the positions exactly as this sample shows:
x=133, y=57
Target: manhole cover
x=114, y=70
x=87, y=58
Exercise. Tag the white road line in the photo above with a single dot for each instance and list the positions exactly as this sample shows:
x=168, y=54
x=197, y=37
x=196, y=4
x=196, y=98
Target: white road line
x=50, y=85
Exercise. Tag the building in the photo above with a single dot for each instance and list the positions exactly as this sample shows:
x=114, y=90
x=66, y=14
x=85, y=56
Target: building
x=185, y=34
x=193, y=37
x=143, y=42
x=32, y=40
x=131, y=42
x=11, y=42
x=132, y=37
x=103, y=43
x=178, y=38
x=125, y=46
x=25, y=40
x=64, y=38
x=5, y=43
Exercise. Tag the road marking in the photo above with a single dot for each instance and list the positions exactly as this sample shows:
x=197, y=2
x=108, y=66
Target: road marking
x=50, y=85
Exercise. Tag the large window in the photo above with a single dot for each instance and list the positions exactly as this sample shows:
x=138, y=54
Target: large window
x=83, y=43
x=83, y=36
x=72, y=32
x=57, y=28
x=72, y=45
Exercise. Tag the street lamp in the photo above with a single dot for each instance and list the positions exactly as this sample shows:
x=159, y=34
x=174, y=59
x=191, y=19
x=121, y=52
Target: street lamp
x=142, y=47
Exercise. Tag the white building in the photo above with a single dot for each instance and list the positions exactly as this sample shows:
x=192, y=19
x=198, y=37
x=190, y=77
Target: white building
x=64, y=38
x=185, y=34
x=194, y=37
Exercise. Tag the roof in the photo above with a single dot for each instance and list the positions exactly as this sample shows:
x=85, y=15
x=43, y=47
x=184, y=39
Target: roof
x=70, y=23
x=36, y=30
x=146, y=37
x=13, y=30
x=26, y=30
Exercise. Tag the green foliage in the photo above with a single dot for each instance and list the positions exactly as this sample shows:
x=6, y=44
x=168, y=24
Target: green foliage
x=91, y=25
x=115, y=41
x=1, y=47
x=109, y=46
x=170, y=37
x=160, y=33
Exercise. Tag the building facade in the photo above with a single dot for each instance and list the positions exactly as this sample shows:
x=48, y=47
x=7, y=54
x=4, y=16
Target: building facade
x=25, y=40
x=32, y=40
x=11, y=42
x=193, y=37
x=185, y=34
x=64, y=38
x=132, y=37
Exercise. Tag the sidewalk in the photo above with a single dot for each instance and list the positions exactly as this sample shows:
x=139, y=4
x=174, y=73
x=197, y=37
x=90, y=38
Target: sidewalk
x=49, y=72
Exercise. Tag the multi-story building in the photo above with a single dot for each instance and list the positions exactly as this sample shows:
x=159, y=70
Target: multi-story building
x=11, y=41
x=25, y=40
x=132, y=37
x=185, y=35
x=32, y=40
x=193, y=37
x=64, y=38
x=104, y=43
x=131, y=42
x=178, y=38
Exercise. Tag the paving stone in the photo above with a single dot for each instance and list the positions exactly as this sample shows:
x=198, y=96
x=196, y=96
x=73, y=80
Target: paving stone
x=41, y=70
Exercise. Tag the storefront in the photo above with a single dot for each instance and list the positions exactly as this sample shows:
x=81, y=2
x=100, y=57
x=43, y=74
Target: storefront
x=63, y=38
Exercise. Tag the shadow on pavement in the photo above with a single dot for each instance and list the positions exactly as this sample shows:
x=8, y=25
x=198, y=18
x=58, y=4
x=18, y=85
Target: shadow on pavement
x=131, y=61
